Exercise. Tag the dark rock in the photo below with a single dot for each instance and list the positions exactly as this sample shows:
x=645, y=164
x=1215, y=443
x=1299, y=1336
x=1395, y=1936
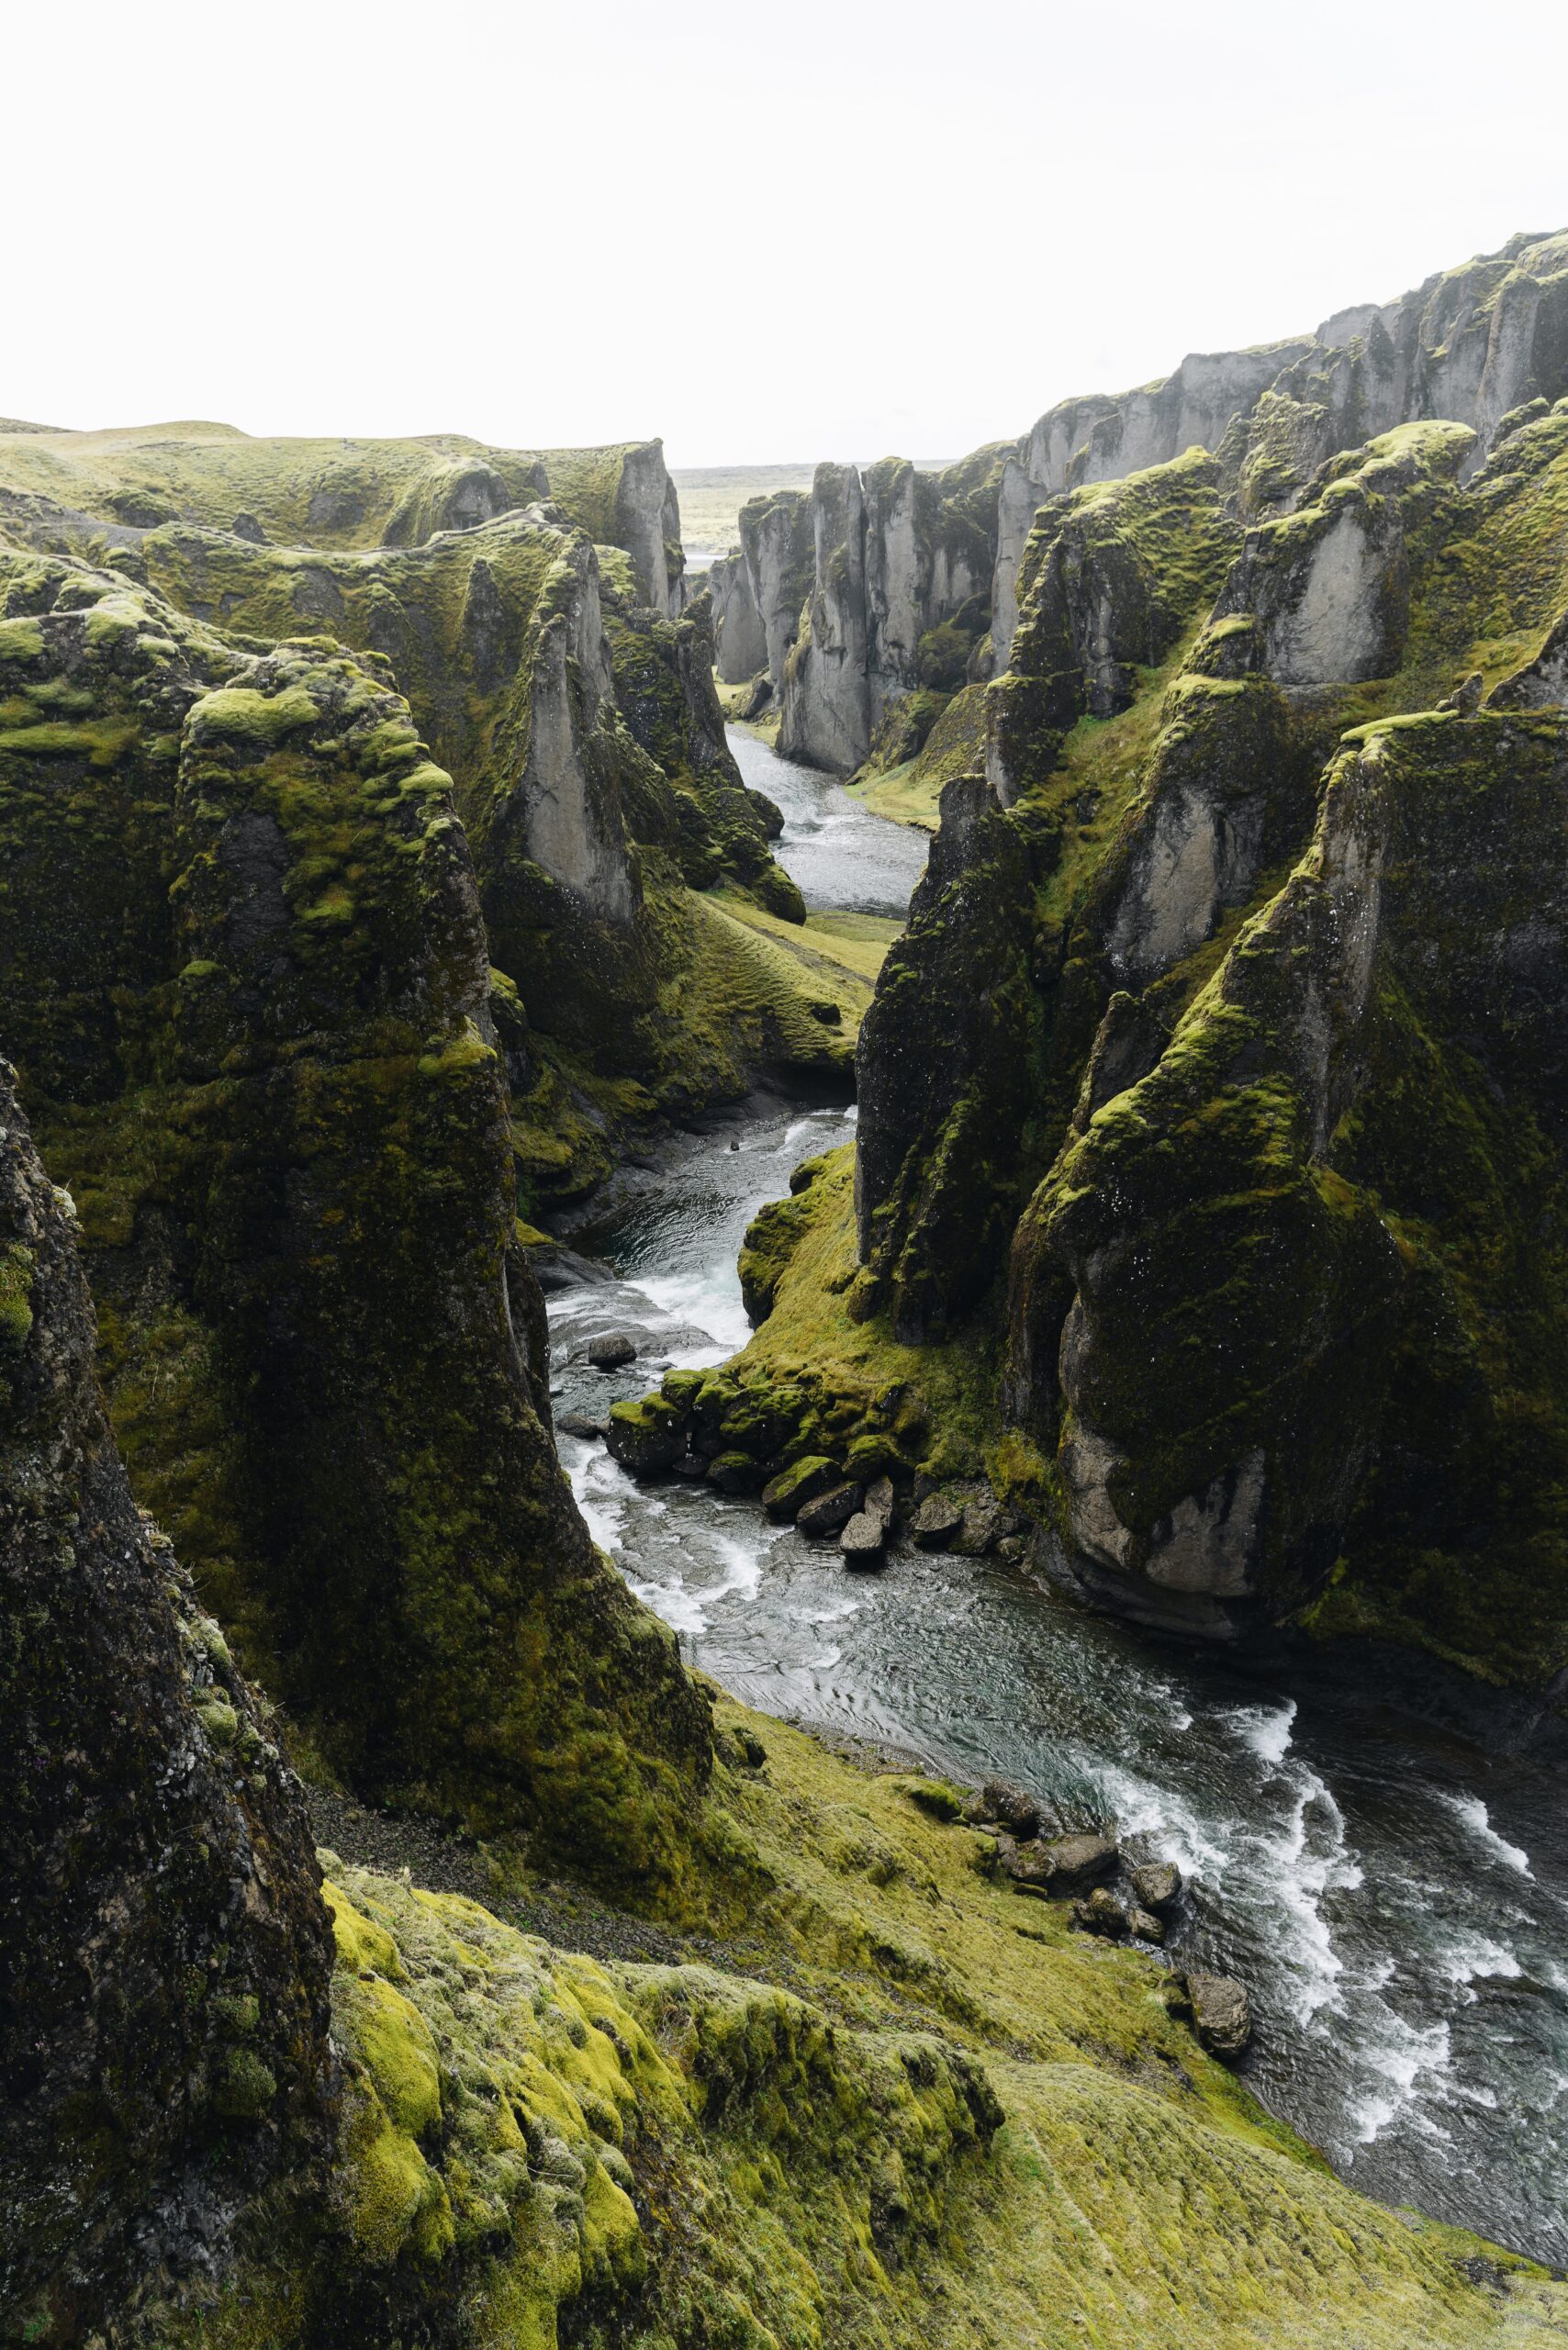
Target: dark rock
x=1144, y=1926
x=578, y=1424
x=1062, y=1866
x=163, y=2034
x=1015, y=1806
x=692, y=1465
x=1013, y=1549
x=1101, y=1913
x=245, y=526
x=1222, y=2013
x=805, y=1480
x=981, y=1527
x=937, y=1523
x=864, y=1540
x=757, y=699
x=881, y=1503
x=830, y=1511
x=614, y=1350
x=646, y=1437
x=734, y=1472
x=1157, y=1883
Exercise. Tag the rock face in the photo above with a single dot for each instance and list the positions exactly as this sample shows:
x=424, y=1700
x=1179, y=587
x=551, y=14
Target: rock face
x=249, y=993
x=895, y=563
x=164, y=1946
x=778, y=544
x=1264, y=853
x=739, y=638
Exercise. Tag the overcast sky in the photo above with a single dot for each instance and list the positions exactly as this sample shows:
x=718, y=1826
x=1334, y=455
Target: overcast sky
x=824, y=229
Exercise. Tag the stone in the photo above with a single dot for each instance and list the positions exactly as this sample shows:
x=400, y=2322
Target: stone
x=1144, y=1926
x=1222, y=2013
x=1015, y=1807
x=864, y=1540
x=614, y=1350
x=1101, y=1913
x=937, y=1523
x=734, y=1472
x=831, y=1510
x=1063, y=1866
x=1157, y=1883
x=805, y=1480
x=980, y=1528
x=578, y=1424
x=881, y=1503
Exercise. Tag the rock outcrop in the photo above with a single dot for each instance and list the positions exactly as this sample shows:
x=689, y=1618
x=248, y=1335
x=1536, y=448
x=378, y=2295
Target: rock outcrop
x=1140, y=1077
x=246, y=983
x=164, y=1949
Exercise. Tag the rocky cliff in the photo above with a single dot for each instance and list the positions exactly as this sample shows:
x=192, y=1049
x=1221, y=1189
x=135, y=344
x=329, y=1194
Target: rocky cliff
x=246, y=981
x=937, y=556
x=163, y=1945
x=1222, y=1032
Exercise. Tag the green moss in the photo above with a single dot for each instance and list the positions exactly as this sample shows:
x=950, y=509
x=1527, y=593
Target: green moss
x=15, y=1297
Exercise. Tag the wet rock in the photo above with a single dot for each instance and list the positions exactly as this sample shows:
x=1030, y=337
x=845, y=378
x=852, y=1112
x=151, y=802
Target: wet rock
x=864, y=1540
x=1060, y=1867
x=614, y=1350
x=1101, y=1913
x=1013, y=1549
x=734, y=1472
x=1222, y=2013
x=1144, y=1926
x=980, y=1529
x=692, y=1465
x=1015, y=1806
x=786, y=1496
x=830, y=1511
x=1158, y=1885
x=937, y=1523
x=881, y=1503
x=646, y=1437
x=579, y=1424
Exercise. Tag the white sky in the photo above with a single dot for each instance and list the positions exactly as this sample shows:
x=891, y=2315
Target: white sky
x=819, y=229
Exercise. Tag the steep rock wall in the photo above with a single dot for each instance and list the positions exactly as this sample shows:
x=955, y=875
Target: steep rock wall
x=292, y=1151
x=163, y=1944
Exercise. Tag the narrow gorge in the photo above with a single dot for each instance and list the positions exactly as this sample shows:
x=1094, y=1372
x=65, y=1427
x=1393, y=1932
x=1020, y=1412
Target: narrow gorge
x=784, y=1376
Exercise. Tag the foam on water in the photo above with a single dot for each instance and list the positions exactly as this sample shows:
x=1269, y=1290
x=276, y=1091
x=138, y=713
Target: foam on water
x=1476, y=1818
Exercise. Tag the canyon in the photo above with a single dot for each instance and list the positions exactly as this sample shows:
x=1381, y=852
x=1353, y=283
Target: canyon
x=482, y=1863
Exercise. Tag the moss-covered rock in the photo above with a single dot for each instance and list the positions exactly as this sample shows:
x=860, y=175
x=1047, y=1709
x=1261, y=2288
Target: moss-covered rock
x=290, y=1146
x=163, y=2034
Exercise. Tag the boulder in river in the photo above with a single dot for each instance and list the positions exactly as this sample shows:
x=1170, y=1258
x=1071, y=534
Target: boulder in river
x=1058, y=1867
x=579, y=1424
x=804, y=1480
x=646, y=1437
x=734, y=1472
x=1222, y=2013
x=980, y=1529
x=1101, y=1913
x=1158, y=1885
x=1144, y=1926
x=864, y=1540
x=937, y=1522
x=1015, y=1806
x=830, y=1510
x=614, y=1350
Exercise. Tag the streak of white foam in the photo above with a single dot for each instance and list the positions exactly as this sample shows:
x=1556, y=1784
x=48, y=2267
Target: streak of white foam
x=1305, y=1859
x=1265, y=1729
x=1476, y=1818
x=1471, y=1957
x=1407, y=2054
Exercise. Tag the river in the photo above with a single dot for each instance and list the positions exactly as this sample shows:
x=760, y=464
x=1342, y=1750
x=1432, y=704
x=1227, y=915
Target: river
x=1378, y=1852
